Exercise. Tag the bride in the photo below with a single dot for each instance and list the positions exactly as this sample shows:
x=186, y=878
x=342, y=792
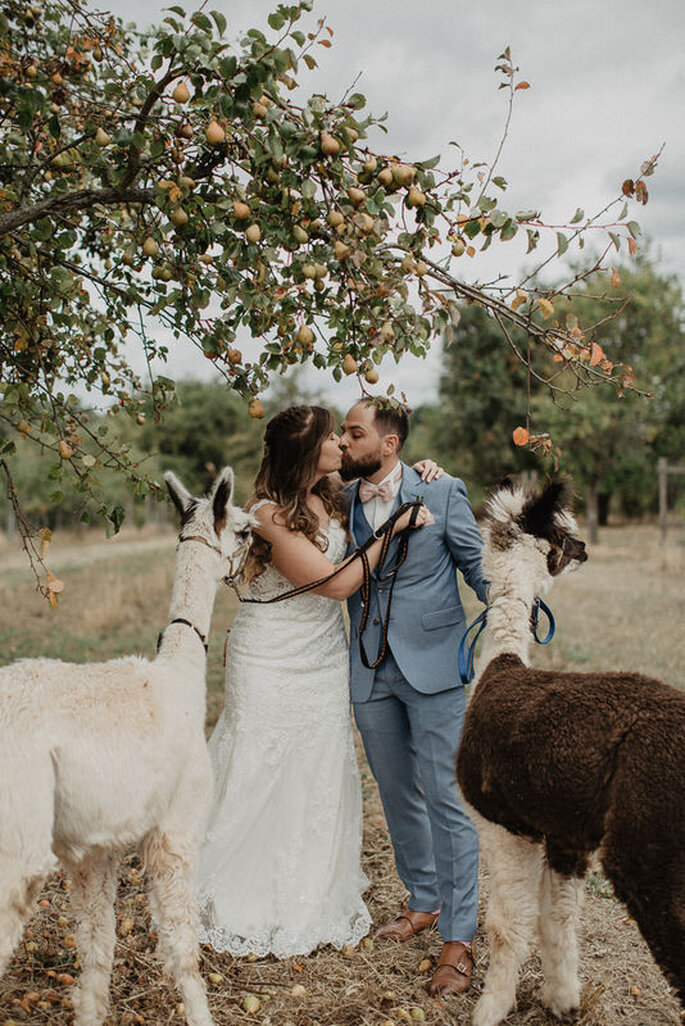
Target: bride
x=280, y=865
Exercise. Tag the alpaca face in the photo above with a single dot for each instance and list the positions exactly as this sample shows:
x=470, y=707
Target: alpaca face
x=225, y=528
x=536, y=528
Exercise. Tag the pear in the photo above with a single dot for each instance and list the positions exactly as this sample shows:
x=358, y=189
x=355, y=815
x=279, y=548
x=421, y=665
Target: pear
x=305, y=336
x=241, y=210
x=309, y=271
x=253, y=233
x=234, y=356
x=371, y=375
x=349, y=364
x=259, y=110
x=335, y=218
x=165, y=273
x=214, y=133
x=186, y=183
x=403, y=174
x=385, y=177
x=341, y=250
x=416, y=198
x=179, y=217
x=329, y=144
x=181, y=93
x=256, y=411
x=356, y=195
x=300, y=234
x=370, y=166
x=420, y=269
x=150, y=247
x=321, y=270
x=458, y=248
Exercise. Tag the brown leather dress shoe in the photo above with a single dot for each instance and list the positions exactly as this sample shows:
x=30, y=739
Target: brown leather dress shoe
x=406, y=925
x=453, y=971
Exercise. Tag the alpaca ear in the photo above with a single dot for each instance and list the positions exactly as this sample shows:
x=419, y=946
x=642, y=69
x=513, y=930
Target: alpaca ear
x=221, y=498
x=538, y=516
x=178, y=492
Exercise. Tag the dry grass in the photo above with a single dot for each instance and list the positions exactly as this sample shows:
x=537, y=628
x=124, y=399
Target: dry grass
x=622, y=609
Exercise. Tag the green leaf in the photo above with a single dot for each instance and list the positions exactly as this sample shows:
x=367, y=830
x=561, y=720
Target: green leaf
x=616, y=240
x=176, y=10
x=276, y=21
x=634, y=228
x=219, y=21
x=116, y=517
x=356, y=101
x=578, y=216
x=562, y=244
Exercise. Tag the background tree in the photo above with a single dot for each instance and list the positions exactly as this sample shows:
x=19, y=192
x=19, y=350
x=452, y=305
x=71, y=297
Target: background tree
x=611, y=449
x=166, y=177
x=482, y=396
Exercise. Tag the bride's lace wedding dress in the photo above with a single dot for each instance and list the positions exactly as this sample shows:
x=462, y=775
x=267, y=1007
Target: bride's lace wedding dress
x=280, y=865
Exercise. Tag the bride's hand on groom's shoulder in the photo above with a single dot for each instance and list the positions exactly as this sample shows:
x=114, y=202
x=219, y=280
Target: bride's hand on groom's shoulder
x=429, y=470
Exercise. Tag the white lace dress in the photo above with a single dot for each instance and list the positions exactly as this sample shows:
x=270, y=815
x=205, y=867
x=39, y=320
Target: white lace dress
x=280, y=866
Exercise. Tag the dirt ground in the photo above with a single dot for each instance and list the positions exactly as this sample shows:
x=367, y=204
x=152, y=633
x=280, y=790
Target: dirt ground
x=378, y=983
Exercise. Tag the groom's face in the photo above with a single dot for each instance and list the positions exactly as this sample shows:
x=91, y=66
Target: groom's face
x=361, y=444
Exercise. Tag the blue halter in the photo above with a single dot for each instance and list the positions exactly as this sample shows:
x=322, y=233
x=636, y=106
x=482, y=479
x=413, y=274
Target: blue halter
x=467, y=651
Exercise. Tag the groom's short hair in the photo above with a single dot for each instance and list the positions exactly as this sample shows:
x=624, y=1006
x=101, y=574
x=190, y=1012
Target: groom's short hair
x=390, y=419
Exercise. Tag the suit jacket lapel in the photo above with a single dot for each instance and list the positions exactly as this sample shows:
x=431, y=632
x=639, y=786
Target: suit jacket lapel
x=409, y=490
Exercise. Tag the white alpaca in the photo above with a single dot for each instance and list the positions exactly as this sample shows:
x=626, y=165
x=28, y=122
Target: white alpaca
x=555, y=766
x=95, y=758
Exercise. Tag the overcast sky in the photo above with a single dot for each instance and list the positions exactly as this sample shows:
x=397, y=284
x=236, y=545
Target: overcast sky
x=607, y=90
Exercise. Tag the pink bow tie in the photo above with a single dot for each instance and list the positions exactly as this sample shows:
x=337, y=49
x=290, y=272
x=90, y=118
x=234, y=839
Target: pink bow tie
x=384, y=491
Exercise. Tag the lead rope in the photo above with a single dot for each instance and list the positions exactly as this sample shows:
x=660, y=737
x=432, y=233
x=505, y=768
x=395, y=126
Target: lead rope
x=384, y=532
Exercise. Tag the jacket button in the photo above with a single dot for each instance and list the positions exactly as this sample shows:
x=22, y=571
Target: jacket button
x=376, y=620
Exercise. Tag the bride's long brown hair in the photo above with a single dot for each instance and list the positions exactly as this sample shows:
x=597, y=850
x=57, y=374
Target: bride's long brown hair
x=292, y=446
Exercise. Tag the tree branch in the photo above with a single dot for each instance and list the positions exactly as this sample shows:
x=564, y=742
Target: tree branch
x=82, y=199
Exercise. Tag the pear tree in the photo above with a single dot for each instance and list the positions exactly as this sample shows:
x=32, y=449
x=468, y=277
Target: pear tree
x=173, y=179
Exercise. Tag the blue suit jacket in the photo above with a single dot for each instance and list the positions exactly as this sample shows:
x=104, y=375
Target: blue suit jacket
x=427, y=618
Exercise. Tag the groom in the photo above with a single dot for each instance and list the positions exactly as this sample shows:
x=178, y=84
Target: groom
x=410, y=709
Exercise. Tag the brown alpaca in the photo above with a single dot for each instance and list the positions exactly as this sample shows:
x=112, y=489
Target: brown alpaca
x=558, y=765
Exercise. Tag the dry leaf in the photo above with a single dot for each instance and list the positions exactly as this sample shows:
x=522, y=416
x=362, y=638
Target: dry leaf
x=520, y=435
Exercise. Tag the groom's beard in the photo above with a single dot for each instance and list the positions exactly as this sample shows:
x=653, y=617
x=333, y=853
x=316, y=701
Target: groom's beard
x=364, y=467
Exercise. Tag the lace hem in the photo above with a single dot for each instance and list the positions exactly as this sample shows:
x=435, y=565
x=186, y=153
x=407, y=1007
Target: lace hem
x=341, y=933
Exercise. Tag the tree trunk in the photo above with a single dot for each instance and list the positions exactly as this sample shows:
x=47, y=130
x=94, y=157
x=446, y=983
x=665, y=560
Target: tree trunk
x=592, y=512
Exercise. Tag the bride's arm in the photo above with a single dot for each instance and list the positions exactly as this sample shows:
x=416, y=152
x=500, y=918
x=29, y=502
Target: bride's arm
x=301, y=561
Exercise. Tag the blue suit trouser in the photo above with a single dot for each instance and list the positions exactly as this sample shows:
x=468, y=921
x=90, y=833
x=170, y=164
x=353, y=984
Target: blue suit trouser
x=411, y=742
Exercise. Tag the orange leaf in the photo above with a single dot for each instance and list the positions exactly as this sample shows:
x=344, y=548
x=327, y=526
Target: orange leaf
x=523, y=85
x=632, y=247
x=520, y=435
x=297, y=967
x=596, y=354
x=546, y=308
x=325, y=42
x=471, y=251
x=615, y=280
